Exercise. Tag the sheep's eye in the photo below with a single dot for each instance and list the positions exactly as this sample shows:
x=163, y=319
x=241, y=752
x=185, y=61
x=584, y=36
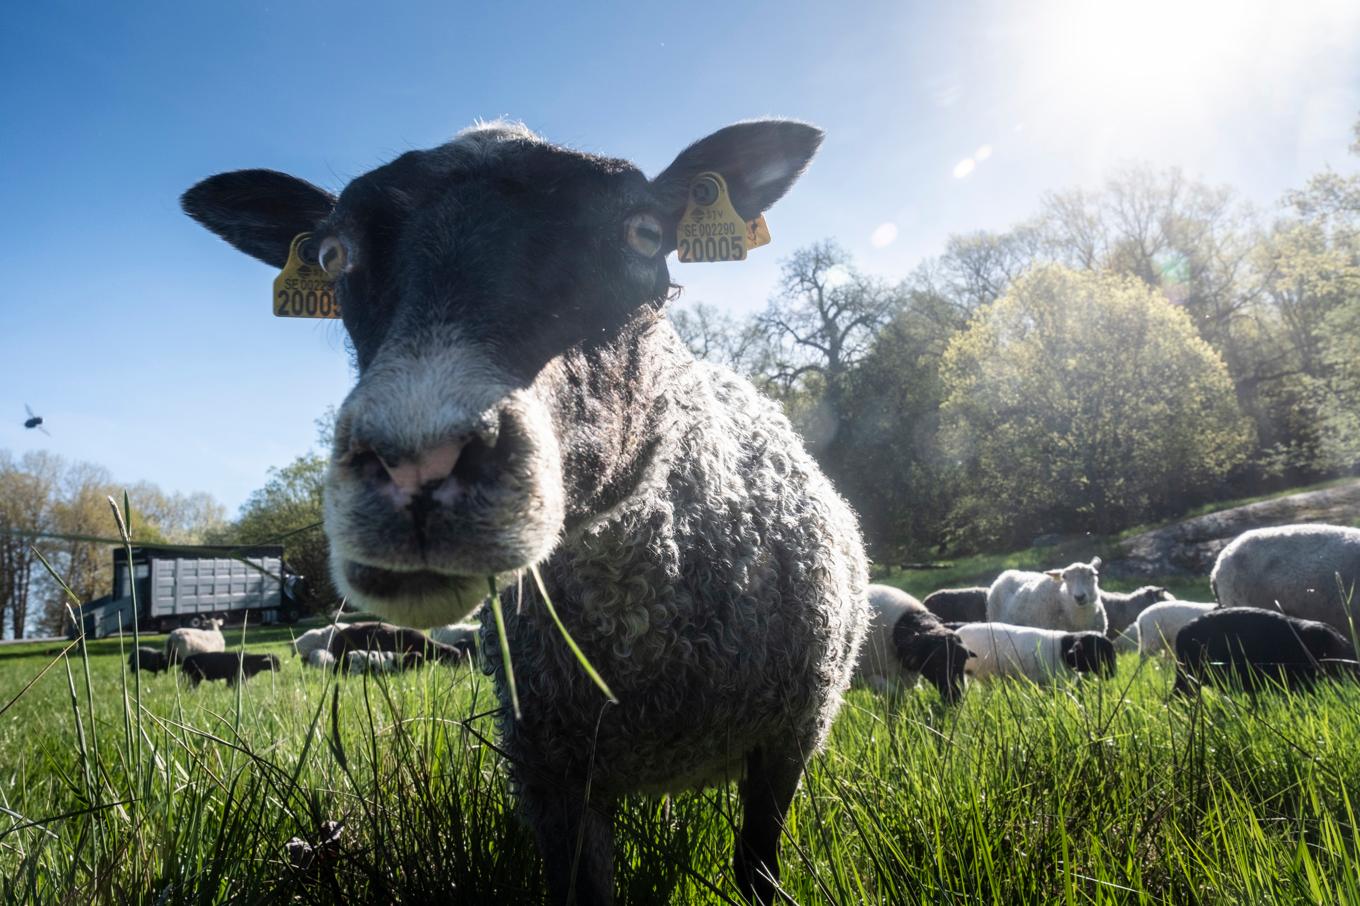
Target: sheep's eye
x=644, y=234
x=333, y=256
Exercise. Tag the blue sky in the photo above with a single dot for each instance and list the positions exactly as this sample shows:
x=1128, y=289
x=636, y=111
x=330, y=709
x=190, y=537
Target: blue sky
x=149, y=345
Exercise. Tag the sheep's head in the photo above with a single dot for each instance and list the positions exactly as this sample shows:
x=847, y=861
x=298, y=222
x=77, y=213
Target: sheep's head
x=1080, y=582
x=926, y=647
x=1088, y=652
x=485, y=285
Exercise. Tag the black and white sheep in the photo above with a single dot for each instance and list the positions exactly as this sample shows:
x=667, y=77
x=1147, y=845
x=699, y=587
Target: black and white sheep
x=226, y=665
x=152, y=660
x=522, y=400
x=1122, y=608
x=376, y=636
x=1033, y=653
x=1307, y=571
x=186, y=641
x=1067, y=599
x=1252, y=648
x=906, y=642
x=958, y=605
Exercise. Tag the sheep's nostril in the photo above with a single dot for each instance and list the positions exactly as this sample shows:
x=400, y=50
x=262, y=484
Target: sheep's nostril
x=404, y=479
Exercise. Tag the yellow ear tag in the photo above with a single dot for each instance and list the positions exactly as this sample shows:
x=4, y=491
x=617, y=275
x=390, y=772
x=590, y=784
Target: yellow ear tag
x=711, y=229
x=303, y=290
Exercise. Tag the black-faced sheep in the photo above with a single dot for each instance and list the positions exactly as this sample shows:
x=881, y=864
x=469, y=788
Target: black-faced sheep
x=1122, y=608
x=904, y=642
x=1067, y=599
x=1251, y=648
x=523, y=400
x=1040, y=655
x=958, y=605
x=186, y=641
x=1308, y=571
x=226, y=665
x=152, y=660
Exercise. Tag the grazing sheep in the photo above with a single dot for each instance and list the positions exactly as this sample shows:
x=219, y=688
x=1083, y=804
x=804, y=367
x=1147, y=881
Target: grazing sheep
x=1293, y=569
x=523, y=400
x=381, y=661
x=463, y=637
x=226, y=665
x=321, y=659
x=1057, y=599
x=183, y=642
x=152, y=660
x=1251, y=647
x=904, y=642
x=1041, y=655
x=1122, y=608
x=958, y=605
x=1157, y=627
x=314, y=639
x=375, y=636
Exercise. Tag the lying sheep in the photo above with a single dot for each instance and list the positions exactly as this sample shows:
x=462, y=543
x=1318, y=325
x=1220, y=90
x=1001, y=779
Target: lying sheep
x=321, y=659
x=905, y=642
x=1157, y=627
x=381, y=661
x=1251, y=648
x=522, y=399
x=1122, y=608
x=463, y=637
x=1032, y=653
x=314, y=640
x=226, y=665
x=958, y=605
x=183, y=642
x=1067, y=599
x=152, y=660
x=375, y=636
x=1293, y=569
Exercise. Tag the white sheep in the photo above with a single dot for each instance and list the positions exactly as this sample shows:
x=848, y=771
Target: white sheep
x=320, y=658
x=1293, y=569
x=1066, y=598
x=1029, y=652
x=463, y=637
x=1157, y=627
x=182, y=642
x=314, y=640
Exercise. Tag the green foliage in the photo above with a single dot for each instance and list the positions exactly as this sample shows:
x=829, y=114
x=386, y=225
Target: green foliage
x=1082, y=401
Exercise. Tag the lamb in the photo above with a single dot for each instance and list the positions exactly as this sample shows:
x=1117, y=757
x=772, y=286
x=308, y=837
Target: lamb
x=1251, y=647
x=183, y=642
x=1040, y=655
x=463, y=637
x=1158, y=626
x=1057, y=599
x=321, y=659
x=958, y=605
x=1293, y=568
x=1122, y=608
x=314, y=639
x=226, y=665
x=523, y=400
x=381, y=661
x=904, y=642
x=375, y=636
x=152, y=660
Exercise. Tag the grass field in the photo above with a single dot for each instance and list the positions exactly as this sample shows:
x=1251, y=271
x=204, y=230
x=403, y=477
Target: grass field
x=1097, y=792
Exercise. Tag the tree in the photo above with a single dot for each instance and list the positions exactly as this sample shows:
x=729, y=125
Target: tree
x=1083, y=401
x=28, y=493
x=719, y=338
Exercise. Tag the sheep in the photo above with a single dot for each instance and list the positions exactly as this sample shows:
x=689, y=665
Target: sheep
x=183, y=642
x=904, y=642
x=1157, y=627
x=152, y=660
x=1251, y=647
x=958, y=605
x=226, y=665
x=522, y=400
x=463, y=637
x=314, y=639
x=1306, y=571
x=1122, y=608
x=381, y=661
x=1057, y=599
x=375, y=636
x=1036, y=654
x=321, y=659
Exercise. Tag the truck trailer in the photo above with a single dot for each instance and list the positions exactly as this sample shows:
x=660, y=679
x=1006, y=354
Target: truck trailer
x=186, y=586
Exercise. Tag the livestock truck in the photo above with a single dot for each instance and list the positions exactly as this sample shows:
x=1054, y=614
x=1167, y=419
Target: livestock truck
x=186, y=586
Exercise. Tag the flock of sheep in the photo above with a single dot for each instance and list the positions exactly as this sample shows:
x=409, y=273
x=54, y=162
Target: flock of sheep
x=1282, y=614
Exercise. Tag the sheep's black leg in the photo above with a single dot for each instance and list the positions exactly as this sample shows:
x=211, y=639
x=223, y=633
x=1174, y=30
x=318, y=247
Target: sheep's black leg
x=561, y=821
x=766, y=794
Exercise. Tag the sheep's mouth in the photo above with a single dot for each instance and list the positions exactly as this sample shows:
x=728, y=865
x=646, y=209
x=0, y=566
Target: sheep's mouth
x=374, y=581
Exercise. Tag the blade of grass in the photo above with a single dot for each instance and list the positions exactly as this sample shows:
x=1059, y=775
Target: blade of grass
x=571, y=643
x=504, y=644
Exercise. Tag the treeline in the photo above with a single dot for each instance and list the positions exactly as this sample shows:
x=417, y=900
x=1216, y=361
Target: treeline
x=1117, y=358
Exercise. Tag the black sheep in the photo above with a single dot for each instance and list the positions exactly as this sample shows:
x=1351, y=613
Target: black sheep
x=226, y=665
x=1251, y=647
x=375, y=636
x=958, y=605
x=151, y=660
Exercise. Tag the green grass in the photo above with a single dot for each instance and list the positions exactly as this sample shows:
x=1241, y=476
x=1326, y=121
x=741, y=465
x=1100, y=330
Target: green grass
x=1097, y=792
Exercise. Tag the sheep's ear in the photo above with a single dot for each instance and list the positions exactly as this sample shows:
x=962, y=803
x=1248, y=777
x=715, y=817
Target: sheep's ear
x=258, y=211
x=1095, y=563
x=1054, y=574
x=758, y=160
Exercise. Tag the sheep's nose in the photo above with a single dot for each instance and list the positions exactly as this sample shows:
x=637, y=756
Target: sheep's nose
x=404, y=478
x=1081, y=599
